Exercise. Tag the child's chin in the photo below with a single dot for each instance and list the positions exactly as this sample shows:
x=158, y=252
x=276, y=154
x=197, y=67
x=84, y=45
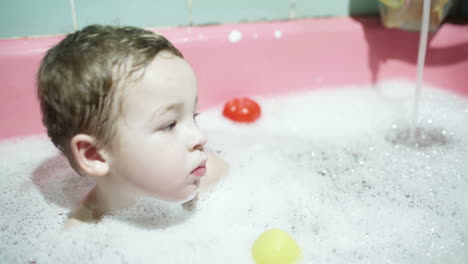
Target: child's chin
x=189, y=197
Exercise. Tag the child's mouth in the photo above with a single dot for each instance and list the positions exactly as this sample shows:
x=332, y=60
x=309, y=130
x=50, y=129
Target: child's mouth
x=200, y=170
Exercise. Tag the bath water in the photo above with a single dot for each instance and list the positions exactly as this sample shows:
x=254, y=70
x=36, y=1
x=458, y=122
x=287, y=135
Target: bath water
x=327, y=166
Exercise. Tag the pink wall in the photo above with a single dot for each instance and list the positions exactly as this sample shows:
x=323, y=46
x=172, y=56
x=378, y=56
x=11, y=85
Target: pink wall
x=310, y=54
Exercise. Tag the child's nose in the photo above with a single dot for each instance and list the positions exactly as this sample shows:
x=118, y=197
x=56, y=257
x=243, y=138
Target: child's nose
x=197, y=140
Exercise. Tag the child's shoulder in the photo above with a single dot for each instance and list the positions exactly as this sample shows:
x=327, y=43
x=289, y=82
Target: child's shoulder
x=87, y=212
x=79, y=216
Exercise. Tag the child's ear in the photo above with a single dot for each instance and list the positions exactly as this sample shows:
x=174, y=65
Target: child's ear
x=87, y=156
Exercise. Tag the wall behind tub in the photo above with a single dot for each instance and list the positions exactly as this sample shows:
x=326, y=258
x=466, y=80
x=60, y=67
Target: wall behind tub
x=21, y=18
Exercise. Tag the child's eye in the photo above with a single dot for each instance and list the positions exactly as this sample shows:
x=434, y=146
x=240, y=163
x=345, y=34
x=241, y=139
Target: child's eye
x=169, y=127
x=195, y=117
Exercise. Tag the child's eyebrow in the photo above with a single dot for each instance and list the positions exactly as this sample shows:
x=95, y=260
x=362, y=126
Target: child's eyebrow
x=164, y=109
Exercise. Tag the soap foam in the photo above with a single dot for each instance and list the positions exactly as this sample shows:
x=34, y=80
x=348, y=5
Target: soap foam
x=329, y=167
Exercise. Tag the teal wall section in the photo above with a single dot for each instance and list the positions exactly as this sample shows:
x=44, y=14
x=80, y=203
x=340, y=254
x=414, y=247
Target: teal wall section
x=141, y=13
x=20, y=18
x=464, y=8
x=231, y=11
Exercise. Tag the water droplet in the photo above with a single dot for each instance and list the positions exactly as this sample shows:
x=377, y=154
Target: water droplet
x=235, y=36
x=278, y=34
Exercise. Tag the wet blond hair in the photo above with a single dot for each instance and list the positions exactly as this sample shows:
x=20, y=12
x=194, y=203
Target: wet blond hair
x=78, y=78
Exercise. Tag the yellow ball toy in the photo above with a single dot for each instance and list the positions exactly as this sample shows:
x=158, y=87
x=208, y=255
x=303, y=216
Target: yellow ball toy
x=275, y=246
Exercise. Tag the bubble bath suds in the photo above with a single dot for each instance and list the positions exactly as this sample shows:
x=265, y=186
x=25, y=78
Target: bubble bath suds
x=331, y=167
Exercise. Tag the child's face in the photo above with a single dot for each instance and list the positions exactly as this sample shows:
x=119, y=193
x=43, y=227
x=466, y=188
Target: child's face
x=159, y=142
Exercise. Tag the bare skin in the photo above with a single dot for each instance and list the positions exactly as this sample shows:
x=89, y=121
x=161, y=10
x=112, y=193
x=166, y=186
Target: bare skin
x=94, y=206
x=159, y=149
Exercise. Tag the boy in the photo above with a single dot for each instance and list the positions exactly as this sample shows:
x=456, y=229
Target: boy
x=120, y=103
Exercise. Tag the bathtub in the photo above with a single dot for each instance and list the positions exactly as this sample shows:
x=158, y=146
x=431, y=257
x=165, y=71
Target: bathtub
x=258, y=60
x=266, y=58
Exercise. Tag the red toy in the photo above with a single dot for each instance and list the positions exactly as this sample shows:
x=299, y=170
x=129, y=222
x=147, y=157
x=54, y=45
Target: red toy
x=243, y=110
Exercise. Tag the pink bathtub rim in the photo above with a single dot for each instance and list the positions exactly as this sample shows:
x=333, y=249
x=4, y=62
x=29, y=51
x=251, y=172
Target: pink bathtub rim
x=270, y=58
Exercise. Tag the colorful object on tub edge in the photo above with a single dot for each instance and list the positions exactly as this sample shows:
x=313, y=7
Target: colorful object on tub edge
x=275, y=246
x=244, y=110
x=394, y=3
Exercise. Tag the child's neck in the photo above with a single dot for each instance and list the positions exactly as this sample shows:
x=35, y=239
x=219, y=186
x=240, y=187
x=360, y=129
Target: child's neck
x=108, y=196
